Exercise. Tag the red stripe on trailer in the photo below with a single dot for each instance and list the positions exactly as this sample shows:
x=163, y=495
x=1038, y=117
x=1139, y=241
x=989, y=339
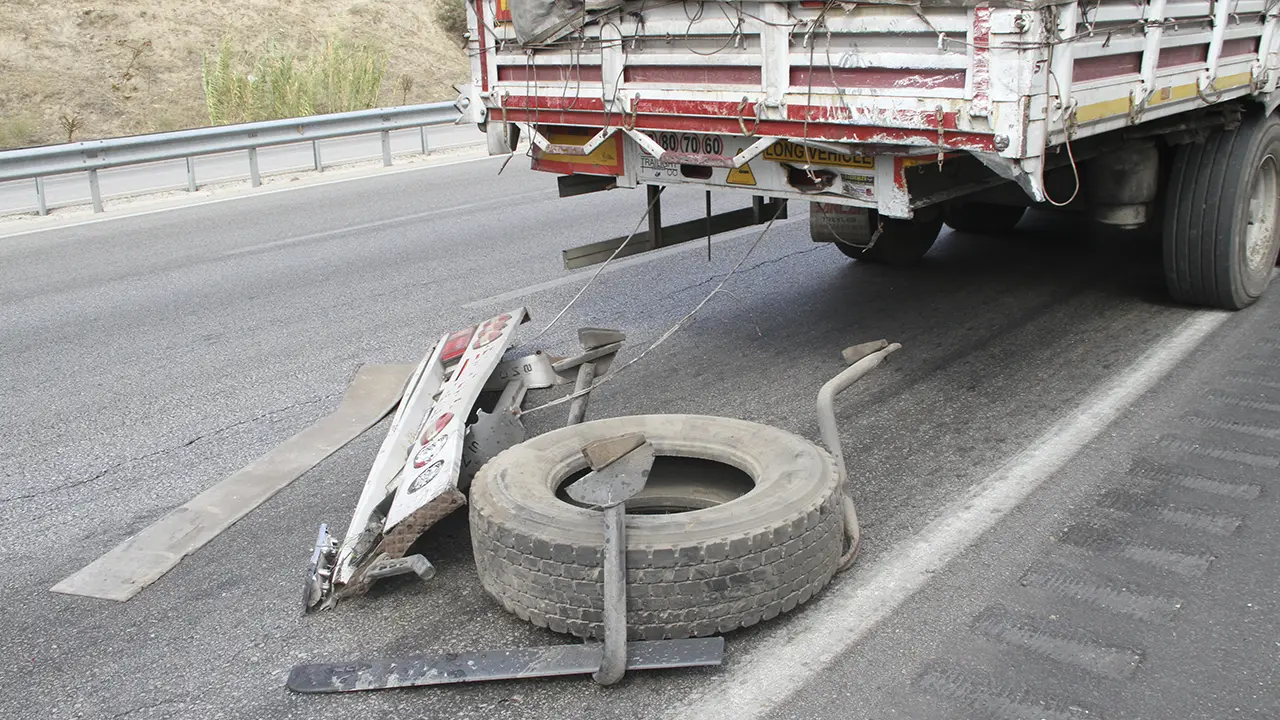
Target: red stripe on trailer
x=1097, y=68
x=709, y=108
x=692, y=74
x=826, y=77
x=871, y=117
x=549, y=73
x=554, y=102
x=1184, y=55
x=572, y=168
x=1240, y=46
x=815, y=130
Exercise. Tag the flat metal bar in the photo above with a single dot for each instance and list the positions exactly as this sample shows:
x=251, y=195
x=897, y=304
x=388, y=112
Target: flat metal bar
x=654, y=197
x=255, y=178
x=535, y=662
x=613, y=664
x=709, y=233
x=598, y=252
x=95, y=192
x=42, y=203
x=578, y=406
x=191, y=174
x=386, y=148
x=144, y=558
x=426, y=145
x=317, y=162
x=572, y=185
x=568, y=364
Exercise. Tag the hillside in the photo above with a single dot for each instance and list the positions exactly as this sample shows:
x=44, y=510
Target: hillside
x=124, y=67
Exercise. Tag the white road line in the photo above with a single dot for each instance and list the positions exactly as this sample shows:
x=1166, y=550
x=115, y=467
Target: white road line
x=506, y=200
x=641, y=259
x=257, y=193
x=784, y=662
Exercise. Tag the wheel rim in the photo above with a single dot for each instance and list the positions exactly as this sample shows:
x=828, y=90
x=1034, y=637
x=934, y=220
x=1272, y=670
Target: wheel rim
x=1264, y=204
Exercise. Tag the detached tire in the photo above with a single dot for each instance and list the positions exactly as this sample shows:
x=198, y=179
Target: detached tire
x=1220, y=222
x=983, y=218
x=692, y=573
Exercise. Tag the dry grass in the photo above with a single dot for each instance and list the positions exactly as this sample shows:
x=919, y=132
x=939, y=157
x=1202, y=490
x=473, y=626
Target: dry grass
x=60, y=58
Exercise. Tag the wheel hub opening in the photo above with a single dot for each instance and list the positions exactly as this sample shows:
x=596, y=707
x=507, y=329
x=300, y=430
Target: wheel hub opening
x=679, y=485
x=1261, y=220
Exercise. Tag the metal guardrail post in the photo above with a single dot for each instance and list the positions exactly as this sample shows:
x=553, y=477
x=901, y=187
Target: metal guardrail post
x=255, y=178
x=426, y=147
x=386, y=148
x=318, y=164
x=41, y=204
x=94, y=191
x=191, y=175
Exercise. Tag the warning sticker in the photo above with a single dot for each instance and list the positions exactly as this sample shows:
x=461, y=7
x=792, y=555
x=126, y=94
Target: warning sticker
x=859, y=186
x=788, y=152
x=606, y=159
x=741, y=176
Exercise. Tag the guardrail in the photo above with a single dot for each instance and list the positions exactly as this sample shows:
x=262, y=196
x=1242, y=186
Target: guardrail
x=94, y=155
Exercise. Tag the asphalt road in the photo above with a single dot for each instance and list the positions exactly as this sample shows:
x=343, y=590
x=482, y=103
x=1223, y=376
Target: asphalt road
x=144, y=358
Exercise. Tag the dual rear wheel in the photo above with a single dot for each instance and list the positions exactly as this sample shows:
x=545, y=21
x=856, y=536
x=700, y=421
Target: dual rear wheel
x=1220, y=226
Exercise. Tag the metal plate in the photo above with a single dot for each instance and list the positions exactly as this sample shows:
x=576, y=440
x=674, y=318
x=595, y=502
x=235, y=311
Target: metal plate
x=435, y=457
x=532, y=662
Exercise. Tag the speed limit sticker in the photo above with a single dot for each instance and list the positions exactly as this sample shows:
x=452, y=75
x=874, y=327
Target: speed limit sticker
x=691, y=143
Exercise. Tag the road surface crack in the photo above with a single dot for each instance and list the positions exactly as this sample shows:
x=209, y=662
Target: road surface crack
x=147, y=456
x=142, y=708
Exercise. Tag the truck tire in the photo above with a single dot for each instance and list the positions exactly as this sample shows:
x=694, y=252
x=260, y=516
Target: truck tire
x=983, y=218
x=764, y=551
x=1221, y=226
x=902, y=243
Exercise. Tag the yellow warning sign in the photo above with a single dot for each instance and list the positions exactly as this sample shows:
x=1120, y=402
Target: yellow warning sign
x=741, y=176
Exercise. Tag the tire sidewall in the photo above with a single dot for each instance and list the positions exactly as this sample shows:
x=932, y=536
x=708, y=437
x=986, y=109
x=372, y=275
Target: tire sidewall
x=791, y=476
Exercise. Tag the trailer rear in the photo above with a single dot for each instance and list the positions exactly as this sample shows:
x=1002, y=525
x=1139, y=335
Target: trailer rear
x=893, y=117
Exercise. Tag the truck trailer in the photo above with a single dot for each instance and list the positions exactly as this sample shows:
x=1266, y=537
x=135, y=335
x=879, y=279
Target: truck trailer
x=892, y=118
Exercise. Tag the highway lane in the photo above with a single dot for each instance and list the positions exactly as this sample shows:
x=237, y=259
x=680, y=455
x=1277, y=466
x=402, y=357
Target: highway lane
x=19, y=196
x=146, y=358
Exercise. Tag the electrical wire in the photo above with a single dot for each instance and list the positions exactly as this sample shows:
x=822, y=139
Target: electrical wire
x=596, y=274
x=670, y=331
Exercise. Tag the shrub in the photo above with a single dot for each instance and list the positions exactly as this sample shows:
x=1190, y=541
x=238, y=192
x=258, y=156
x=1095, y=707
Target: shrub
x=16, y=132
x=452, y=16
x=341, y=76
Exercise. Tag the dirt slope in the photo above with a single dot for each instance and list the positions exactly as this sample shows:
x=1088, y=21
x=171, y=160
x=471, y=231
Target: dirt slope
x=66, y=58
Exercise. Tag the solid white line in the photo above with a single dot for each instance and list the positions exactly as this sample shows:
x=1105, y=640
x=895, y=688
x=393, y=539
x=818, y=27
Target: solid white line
x=105, y=217
x=582, y=275
x=784, y=662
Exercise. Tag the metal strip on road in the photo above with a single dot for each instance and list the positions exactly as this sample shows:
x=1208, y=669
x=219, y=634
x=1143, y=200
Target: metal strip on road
x=144, y=558
x=784, y=662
